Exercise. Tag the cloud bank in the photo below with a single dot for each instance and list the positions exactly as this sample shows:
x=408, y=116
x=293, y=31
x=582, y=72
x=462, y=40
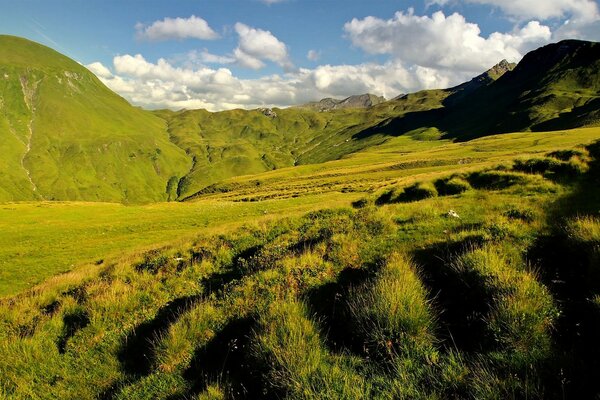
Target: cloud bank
x=419, y=52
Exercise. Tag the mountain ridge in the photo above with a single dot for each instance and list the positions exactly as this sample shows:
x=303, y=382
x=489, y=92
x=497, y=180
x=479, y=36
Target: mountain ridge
x=68, y=137
x=355, y=101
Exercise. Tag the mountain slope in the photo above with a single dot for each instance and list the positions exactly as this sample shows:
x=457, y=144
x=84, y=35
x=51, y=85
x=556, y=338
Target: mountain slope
x=357, y=101
x=554, y=87
x=240, y=142
x=65, y=136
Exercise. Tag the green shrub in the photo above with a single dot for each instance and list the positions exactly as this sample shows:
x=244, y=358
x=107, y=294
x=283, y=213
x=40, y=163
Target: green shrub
x=525, y=215
x=551, y=167
x=360, y=203
x=451, y=186
x=496, y=180
x=418, y=191
x=566, y=155
x=153, y=262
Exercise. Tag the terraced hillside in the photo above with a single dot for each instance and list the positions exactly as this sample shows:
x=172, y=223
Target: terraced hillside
x=472, y=283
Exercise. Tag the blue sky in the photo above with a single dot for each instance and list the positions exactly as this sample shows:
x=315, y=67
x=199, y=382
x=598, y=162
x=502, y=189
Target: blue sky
x=220, y=54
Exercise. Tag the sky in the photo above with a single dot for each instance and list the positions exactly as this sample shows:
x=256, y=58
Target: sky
x=225, y=54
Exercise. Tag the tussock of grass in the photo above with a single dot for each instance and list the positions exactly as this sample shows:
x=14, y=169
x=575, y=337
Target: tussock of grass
x=392, y=313
x=451, y=186
x=289, y=343
x=497, y=179
x=523, y=311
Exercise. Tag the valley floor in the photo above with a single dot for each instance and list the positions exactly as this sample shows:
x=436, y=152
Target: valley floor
x=473, y=283
x=41, y=239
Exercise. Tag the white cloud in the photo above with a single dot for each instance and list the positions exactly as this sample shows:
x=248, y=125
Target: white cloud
x=313, y=55
x=206, y=57
x=163, y=85
x=546, y=9
x=256, y=45
x=442, y=42
x=269, y=2
x=580, y=18
x=176, y=28
x=99, y=70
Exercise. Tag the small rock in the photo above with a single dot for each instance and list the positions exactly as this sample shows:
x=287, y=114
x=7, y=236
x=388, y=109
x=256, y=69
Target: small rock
x=452, y=214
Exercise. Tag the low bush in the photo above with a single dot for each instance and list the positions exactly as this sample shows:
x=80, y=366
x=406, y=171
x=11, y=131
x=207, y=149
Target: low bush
x=418, y=191
x=451, y=186
x=496, y=180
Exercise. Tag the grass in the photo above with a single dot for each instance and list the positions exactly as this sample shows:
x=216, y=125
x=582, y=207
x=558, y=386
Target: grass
x=400, y=300
x=53, y=237
x=48, y=238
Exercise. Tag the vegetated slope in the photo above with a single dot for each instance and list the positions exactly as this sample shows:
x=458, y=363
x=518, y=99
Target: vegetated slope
x=65, y=136
x=554, y=87
x=40, y=240
x=241, y=142
x=479, y=284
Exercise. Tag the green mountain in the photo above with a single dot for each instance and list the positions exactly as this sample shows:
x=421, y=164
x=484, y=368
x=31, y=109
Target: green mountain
x=65, y=136
x=554, y=87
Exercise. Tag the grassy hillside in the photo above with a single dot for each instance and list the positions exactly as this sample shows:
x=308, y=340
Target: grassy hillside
x=65, y=136
x=49, y=238
x=470, y=283
x=239, y=142
x=554, y=87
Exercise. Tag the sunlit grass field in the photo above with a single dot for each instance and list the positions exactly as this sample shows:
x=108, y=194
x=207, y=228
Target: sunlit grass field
x=475, y=283
x=38, y=240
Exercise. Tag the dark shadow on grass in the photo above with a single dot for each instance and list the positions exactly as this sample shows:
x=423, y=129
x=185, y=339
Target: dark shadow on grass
x=226, y=360
x=572, y=275
x=137, y=353
x=461, y=299
x=72, y=323
x=328, y=303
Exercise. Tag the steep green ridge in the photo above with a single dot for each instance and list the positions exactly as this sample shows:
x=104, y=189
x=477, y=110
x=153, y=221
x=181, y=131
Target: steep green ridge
x=554, y=87
x=65, y=136
x=240, y=142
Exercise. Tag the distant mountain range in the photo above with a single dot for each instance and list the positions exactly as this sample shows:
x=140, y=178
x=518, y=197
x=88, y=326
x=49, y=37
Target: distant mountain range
x=65, y=136
x=357, y=101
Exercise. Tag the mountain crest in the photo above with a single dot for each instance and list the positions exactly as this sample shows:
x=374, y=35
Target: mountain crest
x=357, y=101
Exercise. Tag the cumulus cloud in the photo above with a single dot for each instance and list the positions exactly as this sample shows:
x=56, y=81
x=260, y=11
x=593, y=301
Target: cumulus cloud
x=163, y=85
x=256, y=45
x=205, y=57
x=176, y=28
x=423, y=52
x=313, y=55
x=546, y=9
x=99, y=70
x=580, y=18
x=442, y=42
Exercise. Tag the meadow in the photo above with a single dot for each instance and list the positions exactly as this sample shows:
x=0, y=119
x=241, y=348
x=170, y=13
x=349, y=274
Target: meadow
x=473, y=283
x=41, y=239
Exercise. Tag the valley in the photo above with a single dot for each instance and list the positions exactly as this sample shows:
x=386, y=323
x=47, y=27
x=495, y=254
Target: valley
x=441, y=244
